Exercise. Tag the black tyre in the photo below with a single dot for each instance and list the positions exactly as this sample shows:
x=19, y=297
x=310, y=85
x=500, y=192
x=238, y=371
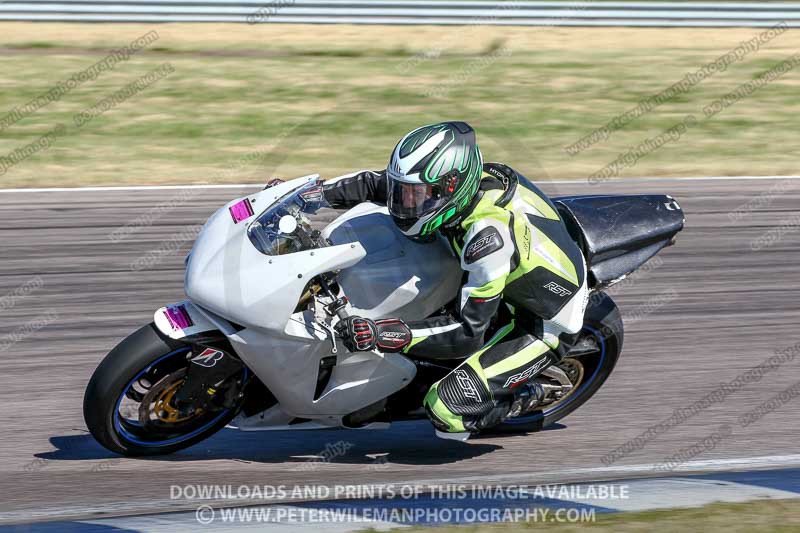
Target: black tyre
x=596, y=352
x=145, y=367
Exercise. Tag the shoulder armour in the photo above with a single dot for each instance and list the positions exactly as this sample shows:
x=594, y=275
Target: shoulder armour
x=483, y=243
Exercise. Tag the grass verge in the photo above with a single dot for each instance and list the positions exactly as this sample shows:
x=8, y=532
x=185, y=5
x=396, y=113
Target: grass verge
x=773, y=516
x=245, y=103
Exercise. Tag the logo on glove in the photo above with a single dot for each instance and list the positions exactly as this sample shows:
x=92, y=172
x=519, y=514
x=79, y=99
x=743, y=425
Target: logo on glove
x=363, y=334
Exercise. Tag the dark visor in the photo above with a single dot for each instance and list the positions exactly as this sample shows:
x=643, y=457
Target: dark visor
x=414, y=200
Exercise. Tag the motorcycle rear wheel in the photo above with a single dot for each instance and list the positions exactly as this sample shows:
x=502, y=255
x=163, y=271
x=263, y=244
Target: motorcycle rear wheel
x=597, y=351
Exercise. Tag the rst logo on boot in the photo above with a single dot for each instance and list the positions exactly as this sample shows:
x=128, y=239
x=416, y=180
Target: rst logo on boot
x=555, y=288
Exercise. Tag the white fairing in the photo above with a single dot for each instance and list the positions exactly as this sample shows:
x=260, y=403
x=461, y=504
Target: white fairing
x=383, y=273
x=199, y=323
x=226, y=274
x=396, y=270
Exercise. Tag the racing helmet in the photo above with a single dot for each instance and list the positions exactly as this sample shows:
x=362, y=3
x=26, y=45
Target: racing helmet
x=433, y=174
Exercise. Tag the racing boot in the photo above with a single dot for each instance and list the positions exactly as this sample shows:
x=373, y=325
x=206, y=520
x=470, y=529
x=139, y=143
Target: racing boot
x=531, y=395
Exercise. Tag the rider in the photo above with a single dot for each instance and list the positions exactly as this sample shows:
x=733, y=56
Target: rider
x=514, y=248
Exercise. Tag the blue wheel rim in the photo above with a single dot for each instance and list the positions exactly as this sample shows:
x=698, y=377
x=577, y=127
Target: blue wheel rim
x=166, y=442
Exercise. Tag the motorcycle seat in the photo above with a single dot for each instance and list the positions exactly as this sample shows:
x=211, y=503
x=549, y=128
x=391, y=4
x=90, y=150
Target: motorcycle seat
x=619, y=233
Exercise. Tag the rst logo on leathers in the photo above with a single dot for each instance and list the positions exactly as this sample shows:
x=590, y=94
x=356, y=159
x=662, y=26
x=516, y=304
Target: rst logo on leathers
x=482, y=244
x=525, y=375
x=555, y=288
x=467, y=387
x=208, y=357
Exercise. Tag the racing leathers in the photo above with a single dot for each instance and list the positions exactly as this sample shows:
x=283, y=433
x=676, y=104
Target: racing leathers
x=515, y=252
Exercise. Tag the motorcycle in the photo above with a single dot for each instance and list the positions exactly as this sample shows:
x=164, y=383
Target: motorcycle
x=253, y=346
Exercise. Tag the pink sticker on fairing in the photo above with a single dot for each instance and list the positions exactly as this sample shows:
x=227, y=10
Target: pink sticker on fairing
x=178, y=317
x=241, y=210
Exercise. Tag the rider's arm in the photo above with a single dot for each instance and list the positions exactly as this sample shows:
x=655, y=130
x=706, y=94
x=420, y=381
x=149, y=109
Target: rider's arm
x=352, y=189
x=486, y=257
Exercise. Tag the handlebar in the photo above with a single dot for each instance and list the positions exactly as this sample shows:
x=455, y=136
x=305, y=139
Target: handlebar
x=338, y=305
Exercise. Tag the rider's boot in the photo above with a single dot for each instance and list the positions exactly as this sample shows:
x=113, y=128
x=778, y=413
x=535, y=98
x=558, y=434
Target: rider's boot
x=531, y=395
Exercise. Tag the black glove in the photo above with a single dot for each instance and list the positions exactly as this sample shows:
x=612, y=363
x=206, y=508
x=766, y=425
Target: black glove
x=363, y=334
x=358, y=334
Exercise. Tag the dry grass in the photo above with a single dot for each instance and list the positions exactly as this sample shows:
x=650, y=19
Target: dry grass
x=777, y=516
x=381, y=39
x=336, y=98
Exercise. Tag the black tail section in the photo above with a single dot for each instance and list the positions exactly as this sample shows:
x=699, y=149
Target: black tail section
x=618, y=234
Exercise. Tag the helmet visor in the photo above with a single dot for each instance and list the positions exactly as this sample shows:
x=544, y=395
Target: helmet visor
x=414, y=200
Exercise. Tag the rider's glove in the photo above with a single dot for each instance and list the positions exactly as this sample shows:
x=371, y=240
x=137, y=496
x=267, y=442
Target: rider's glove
x=358, y=334
x=393, y=334
x=363, y=334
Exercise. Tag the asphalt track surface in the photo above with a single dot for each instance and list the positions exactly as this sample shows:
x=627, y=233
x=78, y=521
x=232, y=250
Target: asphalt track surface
x=732, y=307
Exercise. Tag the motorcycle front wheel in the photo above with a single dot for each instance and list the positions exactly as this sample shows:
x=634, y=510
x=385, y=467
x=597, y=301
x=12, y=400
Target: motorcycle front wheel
x=129, y=402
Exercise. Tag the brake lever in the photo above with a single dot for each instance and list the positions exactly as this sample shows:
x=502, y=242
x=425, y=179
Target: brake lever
x=329, y=329
x=335, y=308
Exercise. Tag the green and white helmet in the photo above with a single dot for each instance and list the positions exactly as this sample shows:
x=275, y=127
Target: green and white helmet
x=433, y=175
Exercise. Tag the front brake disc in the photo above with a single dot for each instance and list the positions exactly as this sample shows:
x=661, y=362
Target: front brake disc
x=157, y=406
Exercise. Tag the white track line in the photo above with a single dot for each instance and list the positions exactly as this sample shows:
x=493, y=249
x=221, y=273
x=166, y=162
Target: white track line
x=626, y=471
x=635, y=495
x=257, y=185
x=684, y=492
x=618, y=473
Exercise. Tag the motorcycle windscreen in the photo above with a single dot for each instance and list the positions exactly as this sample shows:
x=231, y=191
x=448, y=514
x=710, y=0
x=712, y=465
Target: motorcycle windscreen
x=277, y=230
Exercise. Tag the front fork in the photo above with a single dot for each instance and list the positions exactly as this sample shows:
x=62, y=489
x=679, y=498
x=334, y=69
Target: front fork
x=212, y=361
x=207, y=378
